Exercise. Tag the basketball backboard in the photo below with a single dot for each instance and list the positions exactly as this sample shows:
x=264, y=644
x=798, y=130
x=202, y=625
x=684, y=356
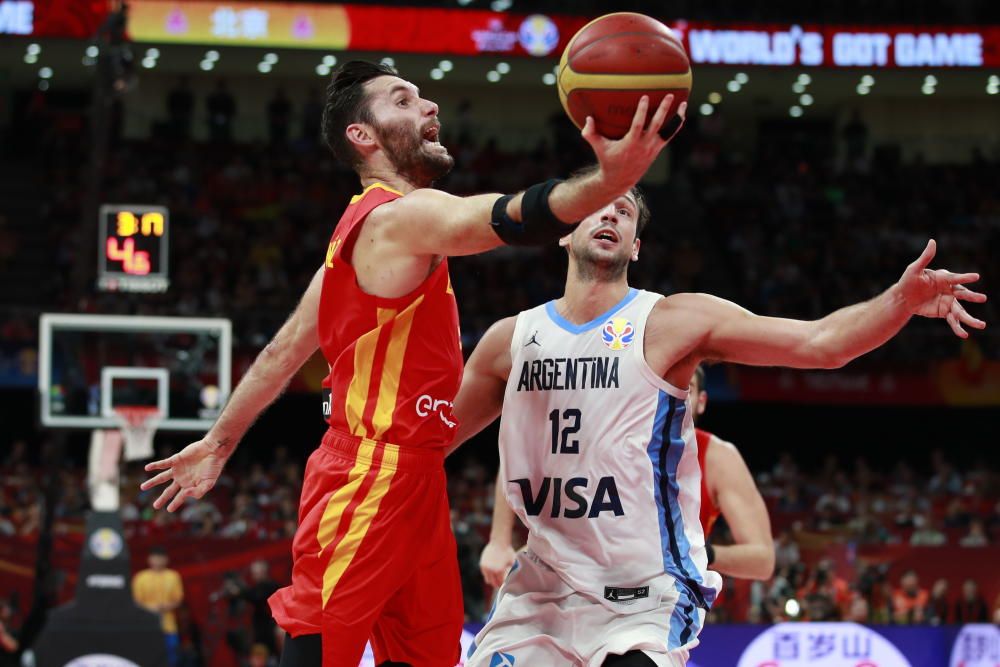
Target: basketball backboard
x=91, y=364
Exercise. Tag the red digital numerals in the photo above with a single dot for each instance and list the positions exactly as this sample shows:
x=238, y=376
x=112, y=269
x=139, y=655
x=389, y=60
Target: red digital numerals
x=134, y=262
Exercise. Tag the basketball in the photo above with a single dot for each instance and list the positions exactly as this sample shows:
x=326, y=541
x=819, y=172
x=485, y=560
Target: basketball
x=612, y=62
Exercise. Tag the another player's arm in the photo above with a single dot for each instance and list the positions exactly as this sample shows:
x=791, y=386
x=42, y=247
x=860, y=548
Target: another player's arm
x=431, y=222
x=193, y=471
x=737, y=497
x=498, y=554
x=727, y=332
x=484, y=380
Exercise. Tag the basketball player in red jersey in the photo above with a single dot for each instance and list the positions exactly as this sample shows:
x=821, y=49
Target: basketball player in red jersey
x=374, y=555
x=727, y=488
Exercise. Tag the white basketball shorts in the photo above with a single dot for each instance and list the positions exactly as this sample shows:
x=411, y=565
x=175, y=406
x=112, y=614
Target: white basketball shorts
x=538, y=620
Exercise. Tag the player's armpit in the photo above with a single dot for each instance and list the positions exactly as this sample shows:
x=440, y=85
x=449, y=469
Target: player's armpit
x=432, y=222
x=484, y=380
x=736, y=494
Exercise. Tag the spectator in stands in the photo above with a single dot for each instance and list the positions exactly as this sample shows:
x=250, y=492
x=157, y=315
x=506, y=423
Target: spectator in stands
x=945, y=479
x=976, y=536
x=786, y=550
x=938, y=609
x=256, y=593
x=909, y=601
x=9, y=645
x=180, y=109
x=855, y=141
x=159, y=589
x=221, y=110
x=260, y=656
x=858, y=611
x=279, y=118
x=312, y=115
x=971, y=607
x=926, y=534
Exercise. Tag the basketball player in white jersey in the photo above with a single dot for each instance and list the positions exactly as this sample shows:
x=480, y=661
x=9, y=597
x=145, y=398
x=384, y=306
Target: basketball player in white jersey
x=727, y=489
x=597, y=447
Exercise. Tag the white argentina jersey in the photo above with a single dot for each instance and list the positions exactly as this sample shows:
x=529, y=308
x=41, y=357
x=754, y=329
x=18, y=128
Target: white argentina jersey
x=599, y=459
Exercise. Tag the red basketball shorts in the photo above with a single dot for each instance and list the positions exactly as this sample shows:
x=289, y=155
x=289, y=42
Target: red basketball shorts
x=374, y=556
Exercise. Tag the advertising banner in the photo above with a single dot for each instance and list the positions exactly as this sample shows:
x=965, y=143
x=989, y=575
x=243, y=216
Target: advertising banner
x=75, y=19
x=475, y=32
x=351, y=27
x=840, y=46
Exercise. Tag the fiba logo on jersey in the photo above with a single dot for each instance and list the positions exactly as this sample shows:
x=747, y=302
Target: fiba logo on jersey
x=538, y=35
x=105, y=543
x=618, y=333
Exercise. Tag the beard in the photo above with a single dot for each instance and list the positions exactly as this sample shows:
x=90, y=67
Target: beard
x=405, y=148
x=600, y=267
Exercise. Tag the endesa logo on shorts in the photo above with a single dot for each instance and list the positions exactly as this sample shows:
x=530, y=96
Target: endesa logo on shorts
x=428, y=405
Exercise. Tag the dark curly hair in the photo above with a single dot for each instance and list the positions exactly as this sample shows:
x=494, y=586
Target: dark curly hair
x=346, y=103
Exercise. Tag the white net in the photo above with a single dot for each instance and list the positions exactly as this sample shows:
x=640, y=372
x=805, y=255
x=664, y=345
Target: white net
x=138, y=425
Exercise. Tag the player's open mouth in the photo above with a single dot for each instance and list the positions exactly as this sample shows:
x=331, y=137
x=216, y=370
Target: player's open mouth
x=606, y=235
x=430, y=135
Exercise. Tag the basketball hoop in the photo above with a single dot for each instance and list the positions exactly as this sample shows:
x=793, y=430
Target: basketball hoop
x=137, y=424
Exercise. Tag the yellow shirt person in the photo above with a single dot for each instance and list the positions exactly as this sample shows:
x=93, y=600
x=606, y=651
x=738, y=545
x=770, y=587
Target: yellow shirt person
x=159, y=590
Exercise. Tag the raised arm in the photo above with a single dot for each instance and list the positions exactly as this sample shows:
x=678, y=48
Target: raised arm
x=498, y=554
x=431, y=222
x=193, y=471
x=723, y=331
x=736, y=496
x=480, y=395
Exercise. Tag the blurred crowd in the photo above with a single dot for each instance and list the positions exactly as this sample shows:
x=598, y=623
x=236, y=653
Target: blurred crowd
x=832, y=510
x=790, y=230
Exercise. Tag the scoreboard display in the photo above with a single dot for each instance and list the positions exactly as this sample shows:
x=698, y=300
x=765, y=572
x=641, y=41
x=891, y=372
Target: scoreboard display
x=132, y=248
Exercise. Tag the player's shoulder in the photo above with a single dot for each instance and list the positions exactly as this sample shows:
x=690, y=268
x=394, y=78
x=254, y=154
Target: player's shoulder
x=723, y=456
x=684, y=302
x=421, y=198
x=501, y=332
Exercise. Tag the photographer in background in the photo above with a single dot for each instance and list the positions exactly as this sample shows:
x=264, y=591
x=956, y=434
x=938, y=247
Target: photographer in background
x=255, y=595
x=9, y=644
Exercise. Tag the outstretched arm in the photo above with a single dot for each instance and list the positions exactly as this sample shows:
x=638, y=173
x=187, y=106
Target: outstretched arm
x=194, y=470
x=498, y=554
x=480, y=395
x=737, y=497
x=723, y=331
x=431, y=222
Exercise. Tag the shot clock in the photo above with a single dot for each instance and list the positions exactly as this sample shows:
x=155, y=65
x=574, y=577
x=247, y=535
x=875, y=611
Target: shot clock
x=132, y=248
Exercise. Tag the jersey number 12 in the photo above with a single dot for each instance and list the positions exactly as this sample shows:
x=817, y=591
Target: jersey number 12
x=570, y=424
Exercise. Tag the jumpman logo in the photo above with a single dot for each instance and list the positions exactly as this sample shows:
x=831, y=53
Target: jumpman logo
x=534, y=339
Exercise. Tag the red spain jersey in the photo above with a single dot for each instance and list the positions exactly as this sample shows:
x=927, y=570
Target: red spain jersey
x=395, y=364
x=709, y=512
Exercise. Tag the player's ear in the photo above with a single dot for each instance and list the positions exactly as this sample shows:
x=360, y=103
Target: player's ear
x=564, y=241
x=635, y=250
x=361, y=136
x=702, y=402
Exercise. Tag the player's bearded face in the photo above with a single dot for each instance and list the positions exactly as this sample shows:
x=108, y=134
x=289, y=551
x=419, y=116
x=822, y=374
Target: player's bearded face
x=415, y=151
x=601, y=249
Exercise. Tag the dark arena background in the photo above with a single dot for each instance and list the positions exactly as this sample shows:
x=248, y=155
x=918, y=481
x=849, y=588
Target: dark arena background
x=165, y=199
